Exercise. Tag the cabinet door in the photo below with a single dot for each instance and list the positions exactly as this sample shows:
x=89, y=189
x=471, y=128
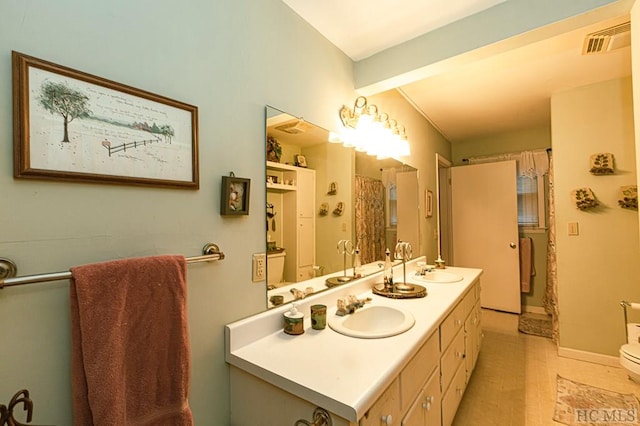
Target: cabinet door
x=425, y=410
x=470, y=344
x=452, y=397
x=306, y=193
x=306, y=242
x=386, y=410
x=431, y=402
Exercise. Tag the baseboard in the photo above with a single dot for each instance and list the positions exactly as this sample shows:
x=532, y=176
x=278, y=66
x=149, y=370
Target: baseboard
x=533, y=309
x=596, y=358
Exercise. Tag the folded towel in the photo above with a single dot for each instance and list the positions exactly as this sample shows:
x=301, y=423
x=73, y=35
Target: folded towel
x=527, y=269
x=130, y=358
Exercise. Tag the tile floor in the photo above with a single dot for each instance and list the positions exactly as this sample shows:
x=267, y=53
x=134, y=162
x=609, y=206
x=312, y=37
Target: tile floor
x=514, y=382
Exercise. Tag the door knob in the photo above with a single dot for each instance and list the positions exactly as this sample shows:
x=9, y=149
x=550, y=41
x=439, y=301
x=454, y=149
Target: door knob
x=512, y=245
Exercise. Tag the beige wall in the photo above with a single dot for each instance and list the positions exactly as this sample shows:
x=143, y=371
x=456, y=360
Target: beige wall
x=635, y=66
x=425, y=143
x=521, y=140
x=333, y=163
x=228, y=57
x=598, y=268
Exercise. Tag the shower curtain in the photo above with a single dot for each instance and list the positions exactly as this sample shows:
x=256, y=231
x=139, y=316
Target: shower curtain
x=550, y=298
x=370, y=223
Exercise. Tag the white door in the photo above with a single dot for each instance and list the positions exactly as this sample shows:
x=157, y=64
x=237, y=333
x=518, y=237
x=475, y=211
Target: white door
x=485, y=229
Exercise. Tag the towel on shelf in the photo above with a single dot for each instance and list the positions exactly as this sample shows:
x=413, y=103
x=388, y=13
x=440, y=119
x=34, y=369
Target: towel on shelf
x=130, y=355
x=527, y=269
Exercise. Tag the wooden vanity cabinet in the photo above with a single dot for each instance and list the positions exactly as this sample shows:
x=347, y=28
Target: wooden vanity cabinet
x=460, y=352
x=427, y=391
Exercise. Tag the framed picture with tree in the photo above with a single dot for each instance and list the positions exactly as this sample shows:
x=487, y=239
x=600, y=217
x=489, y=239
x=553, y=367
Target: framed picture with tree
x=73, y=126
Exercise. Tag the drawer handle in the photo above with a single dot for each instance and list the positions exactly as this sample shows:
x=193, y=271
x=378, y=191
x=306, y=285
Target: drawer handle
x=461, y=355
x=458, y=322
x=387, y=420
x=427, y=405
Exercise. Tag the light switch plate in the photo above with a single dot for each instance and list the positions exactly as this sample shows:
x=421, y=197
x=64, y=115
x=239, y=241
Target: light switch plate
x=259, y=268
x=572, y=228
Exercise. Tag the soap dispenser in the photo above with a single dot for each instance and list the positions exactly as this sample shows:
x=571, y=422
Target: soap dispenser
x=293, y=321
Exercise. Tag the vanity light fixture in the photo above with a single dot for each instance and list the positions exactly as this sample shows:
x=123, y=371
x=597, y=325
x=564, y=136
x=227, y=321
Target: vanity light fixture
x=367, y=130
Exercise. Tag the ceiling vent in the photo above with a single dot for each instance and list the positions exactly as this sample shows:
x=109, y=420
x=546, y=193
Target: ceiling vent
x=294, y=127
x=607, y=40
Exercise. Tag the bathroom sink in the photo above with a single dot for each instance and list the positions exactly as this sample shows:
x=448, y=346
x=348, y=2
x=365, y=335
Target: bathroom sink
x=439, y=277
x=373, y=322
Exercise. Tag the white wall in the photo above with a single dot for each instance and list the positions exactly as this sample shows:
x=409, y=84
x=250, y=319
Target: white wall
x=228, y=57
x=598, y=268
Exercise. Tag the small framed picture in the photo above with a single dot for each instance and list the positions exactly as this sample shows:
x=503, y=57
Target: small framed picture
x=428, y=202
x=234, y=198
x=301, y=161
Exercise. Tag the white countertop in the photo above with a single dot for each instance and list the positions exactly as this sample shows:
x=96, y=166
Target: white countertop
x=342, y=374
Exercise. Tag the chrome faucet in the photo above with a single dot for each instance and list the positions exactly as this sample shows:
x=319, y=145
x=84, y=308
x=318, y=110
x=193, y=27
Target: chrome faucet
x=350, y=304
x=345, y=247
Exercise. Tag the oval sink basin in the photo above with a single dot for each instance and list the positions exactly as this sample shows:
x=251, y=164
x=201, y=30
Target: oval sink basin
x=373, y=322
x=439, y=277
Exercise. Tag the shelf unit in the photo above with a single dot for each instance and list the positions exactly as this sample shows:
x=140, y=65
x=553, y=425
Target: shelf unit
x=297, y=217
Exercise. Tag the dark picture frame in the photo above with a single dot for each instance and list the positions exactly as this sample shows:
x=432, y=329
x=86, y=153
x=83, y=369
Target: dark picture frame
x=234, y=198
x=72, y=126
x=301, y=161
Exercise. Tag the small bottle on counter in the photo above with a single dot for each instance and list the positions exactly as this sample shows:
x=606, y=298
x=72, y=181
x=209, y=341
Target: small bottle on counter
x=388, y=271
x=357, y=265
x=293, y=321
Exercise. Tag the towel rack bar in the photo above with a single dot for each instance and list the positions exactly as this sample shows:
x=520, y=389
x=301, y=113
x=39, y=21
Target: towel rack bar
x=210, y=252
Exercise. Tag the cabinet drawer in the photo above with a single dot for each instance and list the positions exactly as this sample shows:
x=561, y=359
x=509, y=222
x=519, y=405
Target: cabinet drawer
x=425, y=410
x=452, y=397
x=416, y=373
x=451, y=325
x=452, y=359
x=387, y=405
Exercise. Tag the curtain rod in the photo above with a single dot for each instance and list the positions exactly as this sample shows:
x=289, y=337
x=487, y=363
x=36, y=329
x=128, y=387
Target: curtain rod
x=466, y=160
x=8, y=269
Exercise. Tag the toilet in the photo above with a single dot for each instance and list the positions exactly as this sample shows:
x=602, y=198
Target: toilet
x=630, y=360
x=630, y=352
x=275, y=269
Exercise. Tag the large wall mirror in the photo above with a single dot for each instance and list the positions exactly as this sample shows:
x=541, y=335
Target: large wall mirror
x=321, y=193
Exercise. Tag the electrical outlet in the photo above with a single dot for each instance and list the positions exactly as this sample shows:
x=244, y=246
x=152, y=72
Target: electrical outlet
x=259, y=269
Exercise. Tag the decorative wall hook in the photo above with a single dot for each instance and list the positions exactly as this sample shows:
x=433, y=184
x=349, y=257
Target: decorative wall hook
x=601, y=164
x=584, y=198
x=6, y=412
x=339, y=209
x=628, y=197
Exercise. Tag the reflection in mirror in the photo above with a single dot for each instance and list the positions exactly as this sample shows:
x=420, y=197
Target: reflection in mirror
x=320, y=193
x=443, y=209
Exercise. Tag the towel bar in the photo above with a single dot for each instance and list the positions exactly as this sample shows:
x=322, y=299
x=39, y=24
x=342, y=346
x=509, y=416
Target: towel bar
x=8, y=268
